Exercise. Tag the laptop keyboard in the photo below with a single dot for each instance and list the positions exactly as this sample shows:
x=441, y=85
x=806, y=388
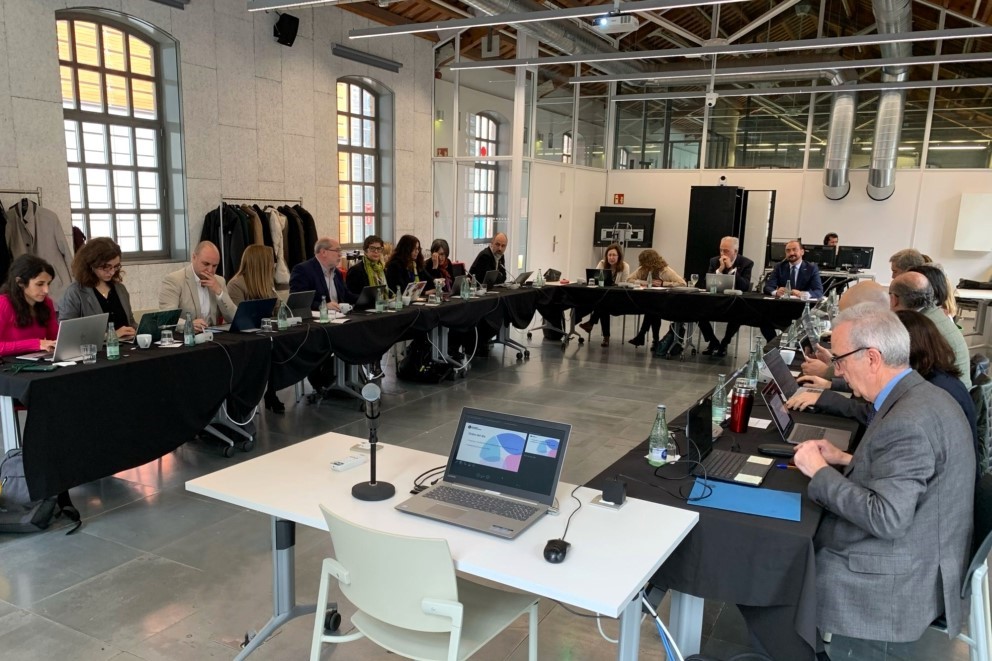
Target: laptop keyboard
x=806, y=433
x=722, y=465
x=481, y=502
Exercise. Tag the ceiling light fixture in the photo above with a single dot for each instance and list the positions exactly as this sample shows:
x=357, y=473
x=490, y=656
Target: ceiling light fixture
x=735, y=49
x=266, y=5
x=366, y=58
x=531, y=17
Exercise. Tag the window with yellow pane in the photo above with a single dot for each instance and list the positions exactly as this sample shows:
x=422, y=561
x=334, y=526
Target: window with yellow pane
x=359, y=162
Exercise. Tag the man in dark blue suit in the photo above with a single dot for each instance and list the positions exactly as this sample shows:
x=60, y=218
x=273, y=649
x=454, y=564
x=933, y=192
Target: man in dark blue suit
x=322, y=275
x=793, y=271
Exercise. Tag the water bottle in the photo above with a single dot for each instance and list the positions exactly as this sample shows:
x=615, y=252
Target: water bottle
x=720, y=400
x=283, y=316
x=189, y=335
x=323, y=310
x=650, y=280
x=113, y=344
x=601, y=278
x=539, y=278
x=752, y=370
x=466, y=291
x=790, y=336
x=659, y=439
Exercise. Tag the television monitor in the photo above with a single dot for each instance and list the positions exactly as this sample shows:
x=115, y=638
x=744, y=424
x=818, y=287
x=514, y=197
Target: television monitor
x=776, y=252
x=823, y=256
x=634, y=227
x=854, y=257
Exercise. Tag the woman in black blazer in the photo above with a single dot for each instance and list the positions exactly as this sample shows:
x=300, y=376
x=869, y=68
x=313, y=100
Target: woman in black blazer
x=406, y=265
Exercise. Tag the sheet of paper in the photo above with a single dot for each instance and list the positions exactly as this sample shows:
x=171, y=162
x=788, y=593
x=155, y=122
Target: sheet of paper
x=759, y=423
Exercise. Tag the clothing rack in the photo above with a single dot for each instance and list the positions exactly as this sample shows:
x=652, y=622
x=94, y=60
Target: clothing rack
x=26, y=191
x=220, y=211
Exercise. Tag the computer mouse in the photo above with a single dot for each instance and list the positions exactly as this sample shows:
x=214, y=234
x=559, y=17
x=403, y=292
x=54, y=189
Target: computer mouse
x=555, y=550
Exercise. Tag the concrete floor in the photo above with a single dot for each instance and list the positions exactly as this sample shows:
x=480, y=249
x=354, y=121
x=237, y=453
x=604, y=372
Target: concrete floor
x=157, y=573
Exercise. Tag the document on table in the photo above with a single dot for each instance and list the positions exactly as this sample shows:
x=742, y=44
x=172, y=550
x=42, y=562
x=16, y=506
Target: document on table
x=748, y=500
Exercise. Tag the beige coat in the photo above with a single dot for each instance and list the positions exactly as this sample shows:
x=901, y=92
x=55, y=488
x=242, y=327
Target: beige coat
x=38, y=231
x=668, y=277
x=277, y=225
x=180, y=290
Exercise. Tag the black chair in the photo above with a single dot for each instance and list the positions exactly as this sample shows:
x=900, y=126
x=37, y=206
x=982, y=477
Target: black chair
x=975, y=580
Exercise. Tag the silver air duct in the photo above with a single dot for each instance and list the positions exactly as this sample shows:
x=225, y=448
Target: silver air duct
x=840, y=135
x=891, y=16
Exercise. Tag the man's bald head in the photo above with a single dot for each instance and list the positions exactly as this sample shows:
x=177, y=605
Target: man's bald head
x=498, y=244
x=867, y=291
x=910, y=291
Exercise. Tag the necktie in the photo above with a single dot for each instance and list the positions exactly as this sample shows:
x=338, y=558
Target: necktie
x=793, y=276
x=871, y=415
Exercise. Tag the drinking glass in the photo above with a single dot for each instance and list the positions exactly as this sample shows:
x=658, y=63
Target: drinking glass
x=407, y=299
x=380, y=301
x=89, y=353
x=166, y=336
x=693, y=279
x=482, y=290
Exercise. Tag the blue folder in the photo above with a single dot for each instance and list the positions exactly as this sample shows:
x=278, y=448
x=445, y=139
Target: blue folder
x=748, y=500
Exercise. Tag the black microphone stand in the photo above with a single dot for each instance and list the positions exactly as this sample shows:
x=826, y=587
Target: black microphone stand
x=372, y=490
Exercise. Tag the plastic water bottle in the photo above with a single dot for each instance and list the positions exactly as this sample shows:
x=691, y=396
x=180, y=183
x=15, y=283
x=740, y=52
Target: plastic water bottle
x=113, y=344
x=720, y=399
x=659, y=439
x=283, y=316
x=189, y=335
x=323, y=310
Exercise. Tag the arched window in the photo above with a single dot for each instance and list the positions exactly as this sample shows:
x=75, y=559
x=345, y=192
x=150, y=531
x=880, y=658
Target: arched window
x=359, y=162
x=484, y=177
x=117, y=134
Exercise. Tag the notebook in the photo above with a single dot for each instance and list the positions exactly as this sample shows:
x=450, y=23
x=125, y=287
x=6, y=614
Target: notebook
x=736, y=467
x=793, y=432
x=722, y=281
x=787, y=383
x=300, y=303
x=249, y=315
x=594, y=274
x=73, y=334
x=501, y=475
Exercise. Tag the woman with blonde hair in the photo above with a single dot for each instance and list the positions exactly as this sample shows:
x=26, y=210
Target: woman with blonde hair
x=613, y=261
x=255, y=278
x=652, y=267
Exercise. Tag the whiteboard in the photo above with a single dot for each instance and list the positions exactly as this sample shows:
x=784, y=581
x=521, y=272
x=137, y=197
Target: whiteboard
x=973, y=223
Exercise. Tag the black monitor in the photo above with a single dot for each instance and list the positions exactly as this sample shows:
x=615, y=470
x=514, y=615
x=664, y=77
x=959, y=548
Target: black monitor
x=824, y=257
x=776, y=252
x=632, y=226
x=854, y=257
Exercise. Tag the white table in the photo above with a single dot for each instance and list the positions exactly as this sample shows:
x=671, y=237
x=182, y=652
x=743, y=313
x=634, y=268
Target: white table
x=613, y=553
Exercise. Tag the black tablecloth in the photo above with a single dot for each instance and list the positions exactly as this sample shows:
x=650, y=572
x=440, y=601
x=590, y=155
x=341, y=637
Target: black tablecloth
x=88, y=421
x=765, y=566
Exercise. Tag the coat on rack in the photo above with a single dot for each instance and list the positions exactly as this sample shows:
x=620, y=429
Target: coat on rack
x=309, y=230
x=37, y=231
x=295, y=251
x=5, y=258
x=231, y=238
x=266, y=228
x=255, y=224
x=277, y=226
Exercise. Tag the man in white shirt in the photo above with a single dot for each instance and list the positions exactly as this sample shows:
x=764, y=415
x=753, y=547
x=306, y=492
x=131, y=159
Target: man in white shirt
x=198, y=290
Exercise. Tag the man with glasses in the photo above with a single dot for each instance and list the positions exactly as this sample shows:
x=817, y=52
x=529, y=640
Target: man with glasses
x=321, y=275
x=198, y=290
x=892, y=547
x=728, y=261
x=370, y=271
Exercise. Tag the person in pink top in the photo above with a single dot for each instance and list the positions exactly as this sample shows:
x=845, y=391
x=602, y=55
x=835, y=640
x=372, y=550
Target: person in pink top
x=27, y=315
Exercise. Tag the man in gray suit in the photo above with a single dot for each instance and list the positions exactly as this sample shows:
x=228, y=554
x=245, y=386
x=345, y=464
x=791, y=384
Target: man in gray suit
x=895, y=538
x=198, y=290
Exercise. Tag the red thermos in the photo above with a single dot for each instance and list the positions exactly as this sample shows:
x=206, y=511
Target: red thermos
x=740, y=407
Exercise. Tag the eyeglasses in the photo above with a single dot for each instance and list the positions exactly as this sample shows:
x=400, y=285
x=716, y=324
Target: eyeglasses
x=836, y=359
x=375, y=248
x=113, y=268
x=332, y=249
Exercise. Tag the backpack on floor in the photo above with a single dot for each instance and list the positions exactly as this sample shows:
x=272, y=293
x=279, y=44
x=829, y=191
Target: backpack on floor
x=18, y=513
x=670, y=345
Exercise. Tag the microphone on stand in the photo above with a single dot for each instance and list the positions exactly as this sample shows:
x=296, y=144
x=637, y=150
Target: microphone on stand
x=372, y=490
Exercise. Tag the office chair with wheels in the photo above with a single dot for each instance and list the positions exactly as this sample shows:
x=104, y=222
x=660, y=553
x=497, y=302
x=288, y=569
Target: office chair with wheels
x=424, y=614
x=976, y=578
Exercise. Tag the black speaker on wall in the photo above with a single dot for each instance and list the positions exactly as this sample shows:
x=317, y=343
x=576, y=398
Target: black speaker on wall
x=285, y=29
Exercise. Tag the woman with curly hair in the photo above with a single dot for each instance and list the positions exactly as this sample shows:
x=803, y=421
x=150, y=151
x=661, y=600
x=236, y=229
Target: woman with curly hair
x=652, y=267
x=99, y=287
x=27, y=314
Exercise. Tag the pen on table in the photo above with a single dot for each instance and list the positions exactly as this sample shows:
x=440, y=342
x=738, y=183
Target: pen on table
x=792, y=466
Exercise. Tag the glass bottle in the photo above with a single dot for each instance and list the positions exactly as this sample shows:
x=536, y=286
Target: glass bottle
x=466, y=292
x=189, y=335
x=113, y=344
x=658, y=440
x=752, y=370
x=720, y=399
x=650, y=280
x=283, y=316
x=539, y=278
x=323, y=310
x=790, y=336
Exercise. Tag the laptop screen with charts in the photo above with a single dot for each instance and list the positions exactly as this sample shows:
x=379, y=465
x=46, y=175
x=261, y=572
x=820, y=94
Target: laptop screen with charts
x=787, y=383
x=300, y=302
x=736, y=467
x=73, y=334
x=793, y=432
x=249, y=315
x=722, y=281
x=501, y=475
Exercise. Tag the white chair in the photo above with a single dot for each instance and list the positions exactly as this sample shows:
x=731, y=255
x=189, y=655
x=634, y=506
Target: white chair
x=408, y=598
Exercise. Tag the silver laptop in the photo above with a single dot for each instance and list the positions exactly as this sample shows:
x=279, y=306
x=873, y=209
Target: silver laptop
x=722, y=281
x=501, y=476
x=793, y=432
x=73, y=334
x=787, y=383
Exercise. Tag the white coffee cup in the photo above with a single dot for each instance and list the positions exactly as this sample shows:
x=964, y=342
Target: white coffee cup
x=345, y=307
x=144, y=340
x=788, y=355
